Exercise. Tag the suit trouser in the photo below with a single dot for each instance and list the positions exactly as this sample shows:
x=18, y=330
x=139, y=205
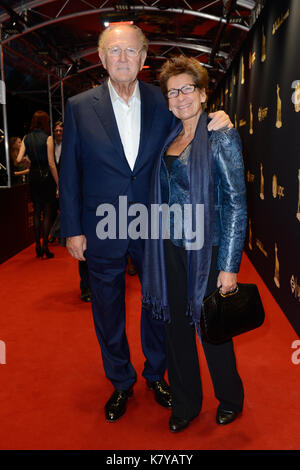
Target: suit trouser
x=107, y=281
x=84, y=275
x=183, y=361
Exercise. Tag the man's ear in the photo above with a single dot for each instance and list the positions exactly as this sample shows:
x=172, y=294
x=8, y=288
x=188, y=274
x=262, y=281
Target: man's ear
x=102, y=57
x=143, y=58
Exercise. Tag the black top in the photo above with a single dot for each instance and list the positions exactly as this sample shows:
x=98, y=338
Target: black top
x=169, y=160
x=36, y=149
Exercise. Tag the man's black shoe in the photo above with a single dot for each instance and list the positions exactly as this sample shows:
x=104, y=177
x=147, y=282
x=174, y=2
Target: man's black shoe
x=116, y=405
x=86, y=295
x=161, y=392
x=178, y=424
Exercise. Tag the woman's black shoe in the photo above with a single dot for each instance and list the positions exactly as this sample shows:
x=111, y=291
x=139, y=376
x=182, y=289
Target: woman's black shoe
x=47, y=254
x=226, y=416
x=39, y=251
x=178, y=424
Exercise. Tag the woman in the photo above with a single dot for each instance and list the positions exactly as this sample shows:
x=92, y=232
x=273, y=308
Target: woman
x=202, y=169
x=19, y=170
x=43, y=177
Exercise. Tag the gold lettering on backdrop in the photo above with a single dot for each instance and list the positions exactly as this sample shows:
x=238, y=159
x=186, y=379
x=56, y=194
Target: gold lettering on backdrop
x=250, y=234
x=279, y=113
x=251, y=120
x=277, y=190
x=298, y=210
x=234, y=79
x=263, y=45
x=262, y=183
x=243, y=72
x=242, y=122
x=235, y=121
x=261, y=248
x=276, y=269
x=280, y=21
x=250, y=177
x=252, y=57
x=262, y=113
x=295, y=287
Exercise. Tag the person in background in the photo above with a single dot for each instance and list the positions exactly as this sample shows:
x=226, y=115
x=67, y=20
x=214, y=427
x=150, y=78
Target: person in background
x=19, y=170
x=112, y=136
x=38, y=145
x=196, y=167
x=55, y=229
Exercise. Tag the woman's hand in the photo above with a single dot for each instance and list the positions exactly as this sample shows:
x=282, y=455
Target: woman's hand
x=227, y=281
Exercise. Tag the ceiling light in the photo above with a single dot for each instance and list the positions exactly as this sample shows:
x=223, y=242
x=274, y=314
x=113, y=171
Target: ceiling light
x=250, y=4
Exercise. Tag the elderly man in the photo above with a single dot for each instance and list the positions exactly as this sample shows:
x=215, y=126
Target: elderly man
x=112, y=136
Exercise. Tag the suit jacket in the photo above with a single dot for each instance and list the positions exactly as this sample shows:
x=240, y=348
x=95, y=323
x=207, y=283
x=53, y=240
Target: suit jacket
x=94, y=168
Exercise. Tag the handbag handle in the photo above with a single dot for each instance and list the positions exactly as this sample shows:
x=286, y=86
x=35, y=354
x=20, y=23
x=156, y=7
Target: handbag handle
x=230, y=293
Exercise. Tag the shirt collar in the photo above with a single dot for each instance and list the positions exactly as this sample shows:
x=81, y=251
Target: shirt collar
x=115, y=97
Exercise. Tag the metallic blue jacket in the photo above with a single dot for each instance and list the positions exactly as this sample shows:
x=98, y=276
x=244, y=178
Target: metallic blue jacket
x=230, y=211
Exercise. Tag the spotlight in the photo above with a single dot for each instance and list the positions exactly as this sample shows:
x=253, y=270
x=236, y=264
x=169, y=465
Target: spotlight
x=250, y=4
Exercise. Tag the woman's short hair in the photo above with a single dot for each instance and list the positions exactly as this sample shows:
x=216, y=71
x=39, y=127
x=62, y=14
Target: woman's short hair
x=182, y=64
x=40, y=120
x=142, y=37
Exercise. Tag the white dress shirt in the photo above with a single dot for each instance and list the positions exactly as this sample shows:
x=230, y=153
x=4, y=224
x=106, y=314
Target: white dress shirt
x=57, y=150
x=128, y=117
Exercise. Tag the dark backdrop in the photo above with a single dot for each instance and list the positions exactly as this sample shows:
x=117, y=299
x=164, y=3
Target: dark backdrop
x=259, y=93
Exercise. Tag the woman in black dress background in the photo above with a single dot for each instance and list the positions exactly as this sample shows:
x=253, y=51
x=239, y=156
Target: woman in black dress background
x=43, y=178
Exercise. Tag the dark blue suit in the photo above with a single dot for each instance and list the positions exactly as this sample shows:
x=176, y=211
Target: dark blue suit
x=94, y=170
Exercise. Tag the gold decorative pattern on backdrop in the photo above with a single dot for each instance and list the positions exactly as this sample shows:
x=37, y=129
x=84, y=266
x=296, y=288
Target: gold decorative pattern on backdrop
x=296, y=96
x=251, y=119
x=250, y=234
x=298, y=210
x=280, y=21
x=262, y=183
x=279, y=110
x=276, y=269
x=260, y=246
x=243, y=71
x=252, y=57
x=250, y=177
x=262, y=113
x=242, y=122
x=277, y=190
x=295, y=287
x=263, y=45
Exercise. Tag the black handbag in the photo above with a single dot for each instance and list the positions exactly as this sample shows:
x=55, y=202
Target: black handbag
x=227, y=315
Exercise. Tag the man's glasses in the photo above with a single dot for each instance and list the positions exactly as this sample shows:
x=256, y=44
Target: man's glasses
x=116, y=51
x=185, y=90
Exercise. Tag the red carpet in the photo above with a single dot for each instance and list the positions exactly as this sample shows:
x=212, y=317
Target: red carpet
x=53, y=388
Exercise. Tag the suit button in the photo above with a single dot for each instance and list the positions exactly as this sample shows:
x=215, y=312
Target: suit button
x=133, y=178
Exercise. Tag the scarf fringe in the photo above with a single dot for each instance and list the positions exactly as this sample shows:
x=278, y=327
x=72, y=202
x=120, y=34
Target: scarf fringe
x=158, y=310
x=161, y=312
